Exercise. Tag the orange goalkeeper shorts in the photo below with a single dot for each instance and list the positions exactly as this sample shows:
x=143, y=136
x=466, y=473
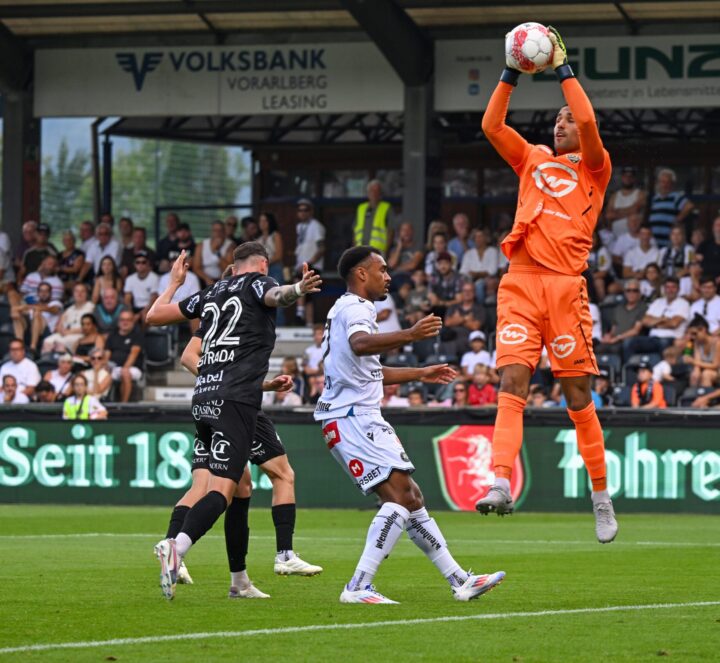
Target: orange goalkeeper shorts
x=537, y=307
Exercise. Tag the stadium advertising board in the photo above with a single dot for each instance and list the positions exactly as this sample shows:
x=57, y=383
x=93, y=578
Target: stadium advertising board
x=668, y=469
x=680, y=71
x=617, y=72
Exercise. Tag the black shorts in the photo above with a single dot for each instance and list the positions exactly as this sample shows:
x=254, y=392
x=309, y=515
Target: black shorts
x=224, y=431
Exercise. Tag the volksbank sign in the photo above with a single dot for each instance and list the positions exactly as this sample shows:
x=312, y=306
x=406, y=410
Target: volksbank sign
x=617, y=72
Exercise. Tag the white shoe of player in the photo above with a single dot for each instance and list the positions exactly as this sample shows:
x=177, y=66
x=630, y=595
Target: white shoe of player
x=606, y=527
x=296, y=567
x=476, y=586
x=250, y=592
x=367, y=595
x=183, y=575
x=167, y=556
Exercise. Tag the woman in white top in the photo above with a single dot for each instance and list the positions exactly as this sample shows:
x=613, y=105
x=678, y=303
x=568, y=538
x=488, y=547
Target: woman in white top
x=481, y=265
x=81, y=405
x=98, y=377
x=68, y=330
x=214, y=254
x=271, y=239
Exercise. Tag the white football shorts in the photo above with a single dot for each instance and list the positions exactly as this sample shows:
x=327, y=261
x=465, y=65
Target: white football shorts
x=367, y=448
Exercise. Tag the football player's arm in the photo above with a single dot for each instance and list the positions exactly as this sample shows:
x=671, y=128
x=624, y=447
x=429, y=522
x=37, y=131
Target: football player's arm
x=440, y=373
x=510, y=145
x=191, y=355
x=163, y=310
x=285, y=295
x=362, y=342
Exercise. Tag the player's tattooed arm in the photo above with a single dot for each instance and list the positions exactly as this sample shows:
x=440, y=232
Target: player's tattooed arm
x=285, y=295
x=164, y=311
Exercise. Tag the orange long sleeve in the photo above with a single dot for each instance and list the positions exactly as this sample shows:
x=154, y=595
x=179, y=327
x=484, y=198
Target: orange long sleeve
x=591, y=144
x=510, y=145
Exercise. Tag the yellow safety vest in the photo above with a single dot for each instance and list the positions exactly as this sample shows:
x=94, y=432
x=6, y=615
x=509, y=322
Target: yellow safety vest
x=79, y=411
x=378, y=234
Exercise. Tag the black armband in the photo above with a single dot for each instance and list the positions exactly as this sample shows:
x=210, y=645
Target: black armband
x=510, y=76
x=563, y=72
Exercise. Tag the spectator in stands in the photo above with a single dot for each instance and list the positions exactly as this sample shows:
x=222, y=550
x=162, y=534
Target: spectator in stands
x=436, y=226
x=416, y=397
x=316, y=384
x=231, y=225
x=80, y=404
x=24, y=370
x=374, y=220
x=652, y=283
x=183, y=241
x=439, y=247
x=68, y=330
x=125, y=229
x=711, y=399
x=480, y=264
x=391, y=397
x=166, y=244
x=90, y=340
x=310, y=249
x=646, y=393
x=603, y=387
x=666, y=318
x=46, y=273
x=87, y=236
x=627, y=241
x=106, y=246
x=213, y=255
x=45, y=393
x=690, y=284
x=626, y=320
x=11, y=394
x=141, y=288
x=61, y=377
x=708, y=306
x=600, y=265
x=124, y=350
x=459, y=395
x=40, y=317
x=108, y=276
x=705, y=361
x=672, y=369
x=108, y=219
x=476, y=355
x=405, y=256
x=138, y=243
x=462, y=241
x=538, y=397
x=667, y=207
x=627, y=200
x=480, y=391
x=290, y=367
x=284, y=399
x=272, y=240
x=387, y=316
x=637, y=259
x=250, y=230
x=445, y=285
x=7, y=270
x=676, y=257
x=40, y=250
x=71, y=261
x=416, y=303
x=27, y=239
x=109, y=308
x=709, y=252
x=466, y=316
x=98, y=376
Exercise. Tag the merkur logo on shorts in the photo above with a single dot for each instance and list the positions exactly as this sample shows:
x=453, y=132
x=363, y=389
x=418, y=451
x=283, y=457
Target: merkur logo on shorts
x=513, y=334
x=563, y=346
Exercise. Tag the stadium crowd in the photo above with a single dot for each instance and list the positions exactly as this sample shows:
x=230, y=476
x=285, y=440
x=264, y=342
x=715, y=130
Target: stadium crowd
x=653, y=278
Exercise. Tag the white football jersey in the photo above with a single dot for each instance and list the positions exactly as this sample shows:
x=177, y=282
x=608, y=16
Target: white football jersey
x=351, y=382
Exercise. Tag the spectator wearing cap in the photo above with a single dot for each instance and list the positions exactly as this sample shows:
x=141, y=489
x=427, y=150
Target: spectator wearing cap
x=667, y=207
x=709, y=252
x=11, y=394
x=374, y=220
x=141, y=288
x=71, y=261
x=38, y=251
x=708, y=306
x=124, y=351
x=61, y=377
x=138, y=243
x=106, y=245
x=628, y=200
x=626, y=320
x=45, y=392
x=310, y=250
x=445, y=285
x=24, y=370
x=480, y=264
x=646, y=393
x=466, y=316
x=213, y=255
x=637, y=259
x=68, y=330
x=476, y=355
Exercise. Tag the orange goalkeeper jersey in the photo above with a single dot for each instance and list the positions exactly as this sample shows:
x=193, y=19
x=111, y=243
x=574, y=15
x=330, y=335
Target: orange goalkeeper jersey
x=560, y=197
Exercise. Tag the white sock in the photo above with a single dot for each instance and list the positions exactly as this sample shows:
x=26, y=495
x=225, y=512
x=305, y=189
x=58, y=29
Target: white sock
x=503, y=483
x=239, y=579
x=183, y=543
x=284, y=555
x=385, y=530
x=600, y=496
x=426, y=535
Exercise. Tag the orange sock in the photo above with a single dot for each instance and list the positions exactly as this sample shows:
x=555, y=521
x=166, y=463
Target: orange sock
x=591, y=444
x=508, y=435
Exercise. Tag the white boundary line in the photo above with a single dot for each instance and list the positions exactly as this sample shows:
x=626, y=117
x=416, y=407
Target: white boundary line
x=339, y=539
x=152, y=639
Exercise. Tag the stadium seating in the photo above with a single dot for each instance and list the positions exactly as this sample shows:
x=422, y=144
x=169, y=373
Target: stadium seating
x=158, y=347
x=621, y=396
x=612, y=364
x=401, y=359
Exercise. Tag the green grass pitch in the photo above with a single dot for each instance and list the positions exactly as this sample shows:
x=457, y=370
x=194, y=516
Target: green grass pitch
x=102, y=585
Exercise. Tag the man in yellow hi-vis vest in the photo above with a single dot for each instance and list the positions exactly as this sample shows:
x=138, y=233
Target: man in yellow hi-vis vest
x=374, y=220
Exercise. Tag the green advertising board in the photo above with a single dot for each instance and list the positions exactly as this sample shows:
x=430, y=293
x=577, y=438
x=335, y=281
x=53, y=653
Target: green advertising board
x=145, y=459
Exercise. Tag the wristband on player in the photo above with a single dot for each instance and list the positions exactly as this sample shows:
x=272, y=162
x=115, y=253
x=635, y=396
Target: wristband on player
x=510, y=76
x=298, y=292
x=563, y=72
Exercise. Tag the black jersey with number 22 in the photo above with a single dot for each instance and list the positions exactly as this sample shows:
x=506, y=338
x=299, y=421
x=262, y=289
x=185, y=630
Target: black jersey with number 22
x=238, y=336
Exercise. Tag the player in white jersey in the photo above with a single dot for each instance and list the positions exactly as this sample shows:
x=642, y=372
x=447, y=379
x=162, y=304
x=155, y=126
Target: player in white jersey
x=364, y=443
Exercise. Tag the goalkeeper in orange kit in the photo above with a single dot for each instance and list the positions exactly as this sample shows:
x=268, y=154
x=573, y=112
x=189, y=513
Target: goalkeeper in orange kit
x=542, y=300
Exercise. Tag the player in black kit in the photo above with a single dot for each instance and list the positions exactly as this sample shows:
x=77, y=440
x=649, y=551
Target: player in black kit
x=238, y=335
